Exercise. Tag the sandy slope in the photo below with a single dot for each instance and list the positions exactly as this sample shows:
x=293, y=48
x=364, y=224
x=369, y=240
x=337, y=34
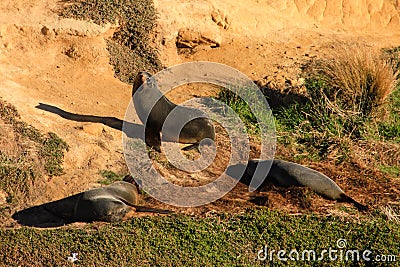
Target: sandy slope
x=64, y=63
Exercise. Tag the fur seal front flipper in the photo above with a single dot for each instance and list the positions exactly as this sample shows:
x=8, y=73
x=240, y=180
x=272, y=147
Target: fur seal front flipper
x=153, y=108
x=286, y=174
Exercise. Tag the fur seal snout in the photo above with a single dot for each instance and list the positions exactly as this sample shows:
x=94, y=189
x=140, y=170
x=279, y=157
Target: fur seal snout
x=286, y=174
x=153, y=108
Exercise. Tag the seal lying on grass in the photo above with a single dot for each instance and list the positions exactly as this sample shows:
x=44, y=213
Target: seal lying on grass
x=153, y=108
x=286, y=174
x=110, y=203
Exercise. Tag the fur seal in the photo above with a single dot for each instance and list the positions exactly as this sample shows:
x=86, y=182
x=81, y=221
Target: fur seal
x=193, y=132
x=111, y=203
x=286, y=174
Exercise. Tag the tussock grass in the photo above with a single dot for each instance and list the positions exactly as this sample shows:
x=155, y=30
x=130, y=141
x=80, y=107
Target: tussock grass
x=356, y=81
x=353, y=96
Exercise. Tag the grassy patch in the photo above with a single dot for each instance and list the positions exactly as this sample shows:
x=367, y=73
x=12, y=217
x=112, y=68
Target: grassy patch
x=110, y=177
x=356, y=81
x=26, y=155
x=52, y=150
x=348, y=97
x=393, y=56
x=220, y=240
x=241, y=108
x=392, y=170
x=389, y=128
x=17, y=175
x=129, y=47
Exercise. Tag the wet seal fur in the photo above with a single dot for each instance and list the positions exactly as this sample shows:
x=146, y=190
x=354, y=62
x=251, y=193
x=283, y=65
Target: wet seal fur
x=193, y=132
x=286, y=174
x=111, y=203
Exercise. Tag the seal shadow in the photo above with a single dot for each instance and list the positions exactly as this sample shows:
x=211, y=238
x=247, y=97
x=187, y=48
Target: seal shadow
x=52, y=214
x=132, y=130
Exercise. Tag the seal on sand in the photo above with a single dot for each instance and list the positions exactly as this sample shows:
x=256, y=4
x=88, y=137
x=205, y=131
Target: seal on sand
x=286, y=174
x=153, y=108
x=111, y=203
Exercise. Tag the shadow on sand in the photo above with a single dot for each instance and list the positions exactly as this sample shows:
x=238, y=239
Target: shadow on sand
x=132, y=130
x=45, y=215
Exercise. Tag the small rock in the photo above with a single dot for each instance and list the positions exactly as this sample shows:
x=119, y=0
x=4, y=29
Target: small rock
x=45, y=30
x=221, y=19
x=93, y=129
x=190, y=38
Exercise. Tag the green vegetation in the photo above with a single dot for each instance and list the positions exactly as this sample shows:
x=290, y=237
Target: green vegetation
x=129, y=47
x=26, y=154
x=241, y=108
x=110, y=177
x=348, y=99
x=389, y=128
x=220, y=240
x=52, y=150
x=238, y=105
x=392, y=170
x=351, y=98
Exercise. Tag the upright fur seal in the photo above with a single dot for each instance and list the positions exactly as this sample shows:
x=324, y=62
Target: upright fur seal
x=286, y=174
x=144, y=98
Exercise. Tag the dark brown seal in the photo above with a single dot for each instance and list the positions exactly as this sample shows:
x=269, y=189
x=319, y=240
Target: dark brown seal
x=111, y=203
x=153, y=108
x=285, y=174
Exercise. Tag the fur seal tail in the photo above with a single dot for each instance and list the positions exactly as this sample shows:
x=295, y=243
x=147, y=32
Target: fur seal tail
x=345, y=198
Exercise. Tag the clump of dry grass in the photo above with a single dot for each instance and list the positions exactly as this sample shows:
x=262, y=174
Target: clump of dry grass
x=357, y=81
x=390, y=214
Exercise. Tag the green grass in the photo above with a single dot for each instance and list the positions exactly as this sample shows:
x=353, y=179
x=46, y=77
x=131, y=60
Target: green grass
x=110, y=177
x=52, y=150
x=30, y=155
x=241, y=108
x=389, y=129
x=315, y=130
x=392, y=170
x=16, y=176
x=129, y=47
x=220, y=240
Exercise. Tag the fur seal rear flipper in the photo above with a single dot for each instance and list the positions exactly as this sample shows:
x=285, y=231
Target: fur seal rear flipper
x=145, y=93
x=286, y=174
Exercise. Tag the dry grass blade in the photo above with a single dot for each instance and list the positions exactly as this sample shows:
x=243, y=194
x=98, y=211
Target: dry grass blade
x=390, y=214
x=357, y=80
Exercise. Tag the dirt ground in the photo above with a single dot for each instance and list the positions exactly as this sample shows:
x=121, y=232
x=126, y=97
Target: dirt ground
x=63, y=63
